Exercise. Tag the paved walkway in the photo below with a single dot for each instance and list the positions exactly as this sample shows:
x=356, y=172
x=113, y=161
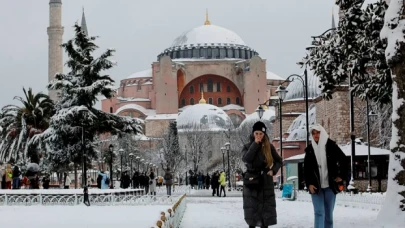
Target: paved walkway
x=227, y=212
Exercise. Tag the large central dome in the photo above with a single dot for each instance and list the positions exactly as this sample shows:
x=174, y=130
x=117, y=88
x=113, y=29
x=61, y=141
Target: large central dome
x=209, y=35
x=208, y=42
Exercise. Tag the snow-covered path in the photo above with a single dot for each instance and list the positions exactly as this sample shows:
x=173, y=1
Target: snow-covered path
x=215, y=212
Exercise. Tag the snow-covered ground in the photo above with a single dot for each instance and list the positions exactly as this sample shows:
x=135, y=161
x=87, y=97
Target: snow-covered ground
x=227, y=212
x=80, y=216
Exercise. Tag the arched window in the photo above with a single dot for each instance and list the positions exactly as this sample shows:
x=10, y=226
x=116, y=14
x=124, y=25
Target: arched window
x=139, y=85
x=210, y=100
x=219, y=101
x=201, y=87
x=218, y=87
x=228, y=101
x=228, y=89
x=191, y=101
x=210, y=86
x=237, y=100
x=191, y=89
x=183, y=102
x=111, y=109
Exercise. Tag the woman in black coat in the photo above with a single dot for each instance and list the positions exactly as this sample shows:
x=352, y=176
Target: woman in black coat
x=261, y=159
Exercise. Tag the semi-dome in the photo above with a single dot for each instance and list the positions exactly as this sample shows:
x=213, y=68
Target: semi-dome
x=297, y=130
x=296, y=89
x=268, y=115
x=203, y=117
x=208, y=42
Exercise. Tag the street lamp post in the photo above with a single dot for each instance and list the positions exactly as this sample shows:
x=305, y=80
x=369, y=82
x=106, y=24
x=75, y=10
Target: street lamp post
x=185, y=153
x=131, y=157
x=370, y=114
x=352, y=135
x=121, y=153
x=223, y=149
x=228, y=147
x=281, y=92
x=111, y=165
x=137, y=159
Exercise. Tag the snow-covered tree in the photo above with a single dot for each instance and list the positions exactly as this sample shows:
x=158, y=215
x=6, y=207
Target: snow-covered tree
x=73, y=128
x=354, y=50
x=19, y=123
x=169, y=149
x=392, y=213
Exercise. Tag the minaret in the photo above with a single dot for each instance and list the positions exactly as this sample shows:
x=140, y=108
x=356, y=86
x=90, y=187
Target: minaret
x=333, y=19
x=55, y=33
x=84, y=24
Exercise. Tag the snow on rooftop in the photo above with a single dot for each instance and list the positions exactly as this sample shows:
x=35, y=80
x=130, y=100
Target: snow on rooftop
x=210, y=34
x=272, y=76
x=136, y=107
x=142, y=74
x=163, y=117
x=232, y=107
x=361, y=150
x=268, y=114
x=128, y=99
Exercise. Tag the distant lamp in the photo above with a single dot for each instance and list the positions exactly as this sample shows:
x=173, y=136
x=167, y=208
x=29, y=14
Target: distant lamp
x=223, y=150
x=372, y=115
x=281, y=92
x=260, y=111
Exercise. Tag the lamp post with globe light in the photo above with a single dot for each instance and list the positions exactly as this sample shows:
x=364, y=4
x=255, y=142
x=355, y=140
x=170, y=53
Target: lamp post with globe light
x=228, y=147
x=370, y=115
x=223, y=149
x=111, y=149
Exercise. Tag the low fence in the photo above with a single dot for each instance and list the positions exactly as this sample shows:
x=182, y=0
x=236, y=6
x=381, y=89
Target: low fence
x=173, y=216
x=70, y=197
x=371, y=201
x=176, y=190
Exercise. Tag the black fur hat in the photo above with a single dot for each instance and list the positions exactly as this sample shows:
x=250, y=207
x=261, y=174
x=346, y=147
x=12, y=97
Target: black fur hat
x=259, y=126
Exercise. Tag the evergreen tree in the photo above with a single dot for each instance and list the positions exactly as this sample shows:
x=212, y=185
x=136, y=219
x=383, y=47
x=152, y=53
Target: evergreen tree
x=75, y=115
x=354, y=50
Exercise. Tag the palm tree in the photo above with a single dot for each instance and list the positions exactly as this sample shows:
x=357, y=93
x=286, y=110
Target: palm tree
x=19, y=123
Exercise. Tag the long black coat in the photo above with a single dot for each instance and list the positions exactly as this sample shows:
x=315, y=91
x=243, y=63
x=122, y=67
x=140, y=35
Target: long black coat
x=337, y=166
x=259, y=204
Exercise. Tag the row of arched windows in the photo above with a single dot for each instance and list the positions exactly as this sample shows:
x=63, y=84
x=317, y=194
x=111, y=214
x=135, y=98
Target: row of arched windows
x=210, y=87
x=210, y=101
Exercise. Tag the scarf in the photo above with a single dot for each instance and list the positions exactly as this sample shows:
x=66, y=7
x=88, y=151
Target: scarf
x=320, y=154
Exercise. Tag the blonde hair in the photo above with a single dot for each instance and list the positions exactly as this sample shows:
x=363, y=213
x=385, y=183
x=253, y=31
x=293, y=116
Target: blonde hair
x=266, y=149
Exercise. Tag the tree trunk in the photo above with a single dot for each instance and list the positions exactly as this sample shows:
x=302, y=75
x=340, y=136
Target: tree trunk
x=393, y=210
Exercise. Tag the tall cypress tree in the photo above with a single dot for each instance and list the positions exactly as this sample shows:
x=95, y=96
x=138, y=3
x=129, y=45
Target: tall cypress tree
x=75, y=115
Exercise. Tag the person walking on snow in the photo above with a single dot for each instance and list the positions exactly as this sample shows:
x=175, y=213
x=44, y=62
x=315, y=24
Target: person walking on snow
x=262, y=163
x=222, y=183
x=168, y=181
x=324, y=169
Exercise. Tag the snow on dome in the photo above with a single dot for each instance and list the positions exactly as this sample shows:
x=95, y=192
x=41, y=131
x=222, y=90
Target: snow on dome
x=203, y=116
x=273, y=76
x=142, y=74
x=208, y=34
x=296, y=89
x=268, y=115
x=136, y=107
x=297, y=130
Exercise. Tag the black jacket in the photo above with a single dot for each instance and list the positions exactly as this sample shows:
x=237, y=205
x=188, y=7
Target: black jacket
x=259, y=205
x=336, y=161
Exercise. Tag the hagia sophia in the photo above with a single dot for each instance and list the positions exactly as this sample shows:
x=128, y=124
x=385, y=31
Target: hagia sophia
x=209, y=78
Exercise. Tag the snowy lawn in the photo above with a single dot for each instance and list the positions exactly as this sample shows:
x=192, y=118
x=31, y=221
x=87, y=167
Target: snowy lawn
x=228, y=212
x=80, y=216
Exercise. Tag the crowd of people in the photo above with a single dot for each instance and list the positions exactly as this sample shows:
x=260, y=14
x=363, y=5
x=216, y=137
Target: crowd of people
x=15, y=178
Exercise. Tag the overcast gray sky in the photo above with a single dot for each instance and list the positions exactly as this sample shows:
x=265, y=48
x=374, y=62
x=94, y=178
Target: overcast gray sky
x=139, y=30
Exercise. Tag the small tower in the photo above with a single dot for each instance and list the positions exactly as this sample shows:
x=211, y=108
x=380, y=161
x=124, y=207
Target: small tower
x=55, y=34
x=333, y=19
x=84, y=24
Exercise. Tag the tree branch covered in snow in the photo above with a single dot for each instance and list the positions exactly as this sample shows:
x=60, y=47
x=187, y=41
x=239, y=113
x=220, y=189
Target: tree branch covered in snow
x=354, y=49
x=169, y=149
x=76, y=123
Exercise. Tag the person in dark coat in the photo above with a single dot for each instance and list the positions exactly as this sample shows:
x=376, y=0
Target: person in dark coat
x=261, y=158
x=46, y=181
x=126, y=180
x=215, y=184
x=324, y=168
x=207, y=181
